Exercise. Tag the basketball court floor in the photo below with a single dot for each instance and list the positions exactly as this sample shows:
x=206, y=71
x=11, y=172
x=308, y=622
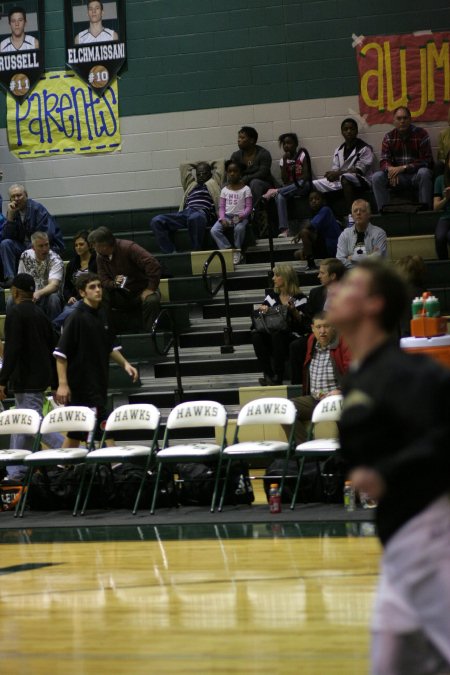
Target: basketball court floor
x=272, y=597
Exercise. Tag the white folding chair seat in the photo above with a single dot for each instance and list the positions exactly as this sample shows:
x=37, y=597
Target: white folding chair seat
x=191, y=415
x=62, y=420
x=130, y=417
x=19, y=421
x=264, y=411
x=329, y=409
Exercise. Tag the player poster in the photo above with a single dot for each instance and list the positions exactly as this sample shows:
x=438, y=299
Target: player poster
x=21, y=46
x=95, y=40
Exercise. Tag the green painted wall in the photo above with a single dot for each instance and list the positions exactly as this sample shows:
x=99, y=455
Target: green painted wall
x=186, y=54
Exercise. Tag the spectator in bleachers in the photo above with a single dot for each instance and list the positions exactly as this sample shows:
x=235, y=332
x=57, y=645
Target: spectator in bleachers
x=296, y=176
x=272, y=349
x=362, y=239
x=351, y=168
x=47, y=269
x=443, y=148
x=130, y=278
x=326, y=361
x=320, y=235
x=235, y=207
x=406, y=161
x=84, y=260
x=330, y=271
x=198, y=209
x=258, y=167
x=24, y=216
x=442, y=205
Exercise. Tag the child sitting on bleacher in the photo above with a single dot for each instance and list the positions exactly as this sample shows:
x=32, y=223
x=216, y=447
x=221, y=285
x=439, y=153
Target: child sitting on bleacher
x=295, y=174
x=235, y=206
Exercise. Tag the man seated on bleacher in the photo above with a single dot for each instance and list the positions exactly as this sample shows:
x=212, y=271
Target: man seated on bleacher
x=327, y=360
x=199, y=206
x=130, y=279
x=361, y=239
x=47, y=269
x=406, y=161
x=351, y=167
x=24, y=216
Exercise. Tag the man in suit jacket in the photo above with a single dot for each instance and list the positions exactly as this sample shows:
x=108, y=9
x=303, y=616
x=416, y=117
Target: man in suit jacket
x=330, y=270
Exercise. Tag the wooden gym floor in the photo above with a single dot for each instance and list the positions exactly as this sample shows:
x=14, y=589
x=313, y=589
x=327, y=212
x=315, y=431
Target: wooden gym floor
x=243, y=598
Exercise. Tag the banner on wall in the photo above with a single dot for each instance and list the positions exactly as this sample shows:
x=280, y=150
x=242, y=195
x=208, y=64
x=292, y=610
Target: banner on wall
x=21, y=46
x=410, y=70
x=64, y=116
x=95, y=40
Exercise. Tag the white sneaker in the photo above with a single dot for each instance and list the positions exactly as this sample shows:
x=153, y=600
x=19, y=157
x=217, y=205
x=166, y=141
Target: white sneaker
x=237, y=258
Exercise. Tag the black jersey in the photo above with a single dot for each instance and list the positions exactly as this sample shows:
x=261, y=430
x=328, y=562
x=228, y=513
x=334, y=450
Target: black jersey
x=87, y=343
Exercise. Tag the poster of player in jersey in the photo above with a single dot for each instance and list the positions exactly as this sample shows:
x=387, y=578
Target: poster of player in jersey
x=95, y=40
x=21, y=46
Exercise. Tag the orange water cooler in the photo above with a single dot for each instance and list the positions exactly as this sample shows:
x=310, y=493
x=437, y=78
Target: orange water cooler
x=437, y=347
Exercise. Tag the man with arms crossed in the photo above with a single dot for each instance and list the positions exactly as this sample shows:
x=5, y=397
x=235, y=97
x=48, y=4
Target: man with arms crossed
x=395, y=439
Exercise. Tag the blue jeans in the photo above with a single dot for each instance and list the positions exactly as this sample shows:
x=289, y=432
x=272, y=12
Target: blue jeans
x=35, y=401
x=284, y=193
x=421, y=181
x=10, y=252
x=238, y=233
x=58, y=321
x=195, y=221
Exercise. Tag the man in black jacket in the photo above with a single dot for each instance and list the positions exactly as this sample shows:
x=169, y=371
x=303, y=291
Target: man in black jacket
x=395, y=437
x=28, y=365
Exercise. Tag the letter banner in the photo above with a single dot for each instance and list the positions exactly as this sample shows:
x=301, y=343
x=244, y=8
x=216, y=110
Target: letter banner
x=95, y=40
x=21, y=46
x=410, y=70
x=64, y=116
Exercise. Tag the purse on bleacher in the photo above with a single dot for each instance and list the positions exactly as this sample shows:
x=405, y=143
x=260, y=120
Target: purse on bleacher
x=274, y=320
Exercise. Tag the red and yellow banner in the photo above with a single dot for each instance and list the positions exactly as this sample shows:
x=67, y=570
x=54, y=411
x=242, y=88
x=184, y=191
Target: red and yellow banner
x=410, y=70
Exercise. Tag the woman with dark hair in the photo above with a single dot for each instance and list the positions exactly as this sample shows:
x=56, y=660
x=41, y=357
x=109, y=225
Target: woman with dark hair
x=441, y=203
x=84, y=260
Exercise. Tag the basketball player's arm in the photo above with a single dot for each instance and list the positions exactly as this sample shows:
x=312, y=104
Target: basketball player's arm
x=62, y=395
x=121, y=361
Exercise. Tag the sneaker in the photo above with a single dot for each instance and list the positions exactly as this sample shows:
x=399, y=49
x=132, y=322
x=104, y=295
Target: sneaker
x=283, y=233
x=237, y=258
x=271, y=192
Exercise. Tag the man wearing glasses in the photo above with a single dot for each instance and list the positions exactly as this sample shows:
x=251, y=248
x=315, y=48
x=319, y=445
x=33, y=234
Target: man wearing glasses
x=406, y=161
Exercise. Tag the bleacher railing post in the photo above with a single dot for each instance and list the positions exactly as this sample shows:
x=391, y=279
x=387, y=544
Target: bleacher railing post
x=227, y=347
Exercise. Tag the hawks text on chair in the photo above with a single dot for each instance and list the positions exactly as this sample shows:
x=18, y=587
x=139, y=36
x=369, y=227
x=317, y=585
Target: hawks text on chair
x=263, y=411
x=131, y=417
x=70, y=418
x=191, y=415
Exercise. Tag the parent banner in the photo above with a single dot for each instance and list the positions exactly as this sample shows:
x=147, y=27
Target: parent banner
x=95, y=40
x=21, y=46
x=64, y=116
x=410, y=70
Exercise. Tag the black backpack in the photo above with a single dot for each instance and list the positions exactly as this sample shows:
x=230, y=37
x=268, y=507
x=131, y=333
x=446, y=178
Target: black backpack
x=197, y=484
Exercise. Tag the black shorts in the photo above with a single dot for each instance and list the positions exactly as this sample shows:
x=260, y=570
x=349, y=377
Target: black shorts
x=102, y=415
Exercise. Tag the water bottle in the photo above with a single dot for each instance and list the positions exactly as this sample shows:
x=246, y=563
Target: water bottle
x=349, y=496
x=274, y=499
x=432, y=306
x=417, y=307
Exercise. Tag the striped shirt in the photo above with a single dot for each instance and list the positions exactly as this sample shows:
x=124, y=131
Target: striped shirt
x=200, y=200
x=321, y=372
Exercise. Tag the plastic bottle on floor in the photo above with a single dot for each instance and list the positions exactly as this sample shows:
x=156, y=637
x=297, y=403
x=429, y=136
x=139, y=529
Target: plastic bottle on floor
x=274, y=498
x=349, y=496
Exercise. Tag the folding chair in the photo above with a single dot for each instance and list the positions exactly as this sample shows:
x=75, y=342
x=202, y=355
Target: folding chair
x=193, y=414
x=267, y=411
x=19, y=421
x=70, y=418
x=329, y=409
x=130, y=417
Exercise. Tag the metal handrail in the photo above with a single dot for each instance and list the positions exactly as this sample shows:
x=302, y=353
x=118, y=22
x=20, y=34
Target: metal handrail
x=227, y=347
x=174, y=342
